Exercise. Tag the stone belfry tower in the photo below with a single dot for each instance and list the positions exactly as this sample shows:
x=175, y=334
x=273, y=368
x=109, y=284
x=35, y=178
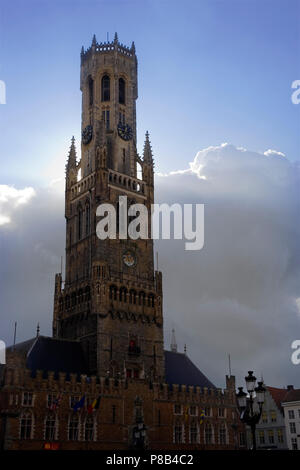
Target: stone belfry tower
x=111, y=299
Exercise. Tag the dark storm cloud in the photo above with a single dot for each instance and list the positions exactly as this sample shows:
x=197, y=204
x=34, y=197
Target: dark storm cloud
x=237, y=295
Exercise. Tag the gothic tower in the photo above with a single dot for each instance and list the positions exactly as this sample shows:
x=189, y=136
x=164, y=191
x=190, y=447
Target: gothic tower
x=111, y=299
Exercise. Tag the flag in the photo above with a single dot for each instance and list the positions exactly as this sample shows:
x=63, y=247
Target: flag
x=202, y=414
x=95, y=405
x=56, y=402
x=79, y=404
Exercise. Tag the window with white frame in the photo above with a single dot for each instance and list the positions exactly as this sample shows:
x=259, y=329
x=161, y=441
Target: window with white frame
x=89, y=429
x=222, y=434
x=280, y=436
x=194, y=433
x=221, y=413
x=294, y=443
x=26, y=425
x=208, y=434
x=271, y=436
x=73, y=431
x=27, y=399
x=207, y=411
x=292, y=428
x=178, y=433
x=51, y=427
x=291, y=414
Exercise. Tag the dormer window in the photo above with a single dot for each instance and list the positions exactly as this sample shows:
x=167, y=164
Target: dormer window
x=105, y=88
x=121, y=91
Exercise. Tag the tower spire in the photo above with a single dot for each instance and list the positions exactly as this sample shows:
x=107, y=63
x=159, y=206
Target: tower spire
x=71, y=163
x=147, y=154
x=94, y=41
x=173, y=342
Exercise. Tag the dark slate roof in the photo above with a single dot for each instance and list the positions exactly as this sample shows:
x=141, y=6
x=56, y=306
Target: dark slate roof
x=51, y=354
x=181, y=370
x=61, y=355
x=22, y=347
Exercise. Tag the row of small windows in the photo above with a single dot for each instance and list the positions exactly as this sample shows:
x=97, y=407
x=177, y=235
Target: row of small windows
x=77, y=430
x=194, y=434
x=105, y=89
x=76, y=298
x=132, y=297
x=193, y=411
x=271, y=436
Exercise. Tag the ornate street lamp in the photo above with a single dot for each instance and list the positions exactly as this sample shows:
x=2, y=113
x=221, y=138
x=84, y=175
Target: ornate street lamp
x=249, y=414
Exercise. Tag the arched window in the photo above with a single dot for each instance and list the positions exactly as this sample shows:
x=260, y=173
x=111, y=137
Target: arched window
x=50, y=427
x=105, y=88
x=222, y=434
x=208, y=434
x=79, y=223
x=87, y=219
x=113, y=292
x=178, y=433
x=91, y=90
x=73, y=431
x=89, y=434
x=132, y=296
x=73, y=299
x=87, y=293
x=194, y=433
x=123, y=294
x=151, y=300
x=142, y=298
x=121, y=91
x=26, y=425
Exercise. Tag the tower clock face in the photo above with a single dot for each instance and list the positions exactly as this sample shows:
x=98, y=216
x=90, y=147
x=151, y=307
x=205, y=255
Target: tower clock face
x=87, y=134
x=129, y=259
x=125, y=131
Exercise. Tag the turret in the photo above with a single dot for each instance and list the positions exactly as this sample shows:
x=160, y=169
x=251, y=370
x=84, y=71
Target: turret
x=71, y=166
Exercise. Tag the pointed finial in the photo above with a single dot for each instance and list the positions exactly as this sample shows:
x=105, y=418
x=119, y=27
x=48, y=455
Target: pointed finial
x=38, y=330
x=148, y=157
x=133, y=47
x=71, y=163
x=94, y=41
x=82, y=50
x=116, y=38
x=173, y=342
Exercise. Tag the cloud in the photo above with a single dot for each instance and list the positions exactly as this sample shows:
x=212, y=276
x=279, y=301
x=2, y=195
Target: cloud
x=238, y=295
x=11, y=199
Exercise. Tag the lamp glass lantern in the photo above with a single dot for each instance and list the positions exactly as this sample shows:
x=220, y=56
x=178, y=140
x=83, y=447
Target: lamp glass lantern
x=260, y=393
x=250, y=381
x=242, y=398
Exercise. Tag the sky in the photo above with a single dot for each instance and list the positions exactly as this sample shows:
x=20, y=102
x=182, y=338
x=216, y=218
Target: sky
x=210, y=72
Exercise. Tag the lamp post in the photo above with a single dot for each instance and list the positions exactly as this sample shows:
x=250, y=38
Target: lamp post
x=249, y=412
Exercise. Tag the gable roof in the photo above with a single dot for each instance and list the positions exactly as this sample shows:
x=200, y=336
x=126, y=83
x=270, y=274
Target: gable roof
x=181, y=370
x=292, y=395
x=278, y=395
